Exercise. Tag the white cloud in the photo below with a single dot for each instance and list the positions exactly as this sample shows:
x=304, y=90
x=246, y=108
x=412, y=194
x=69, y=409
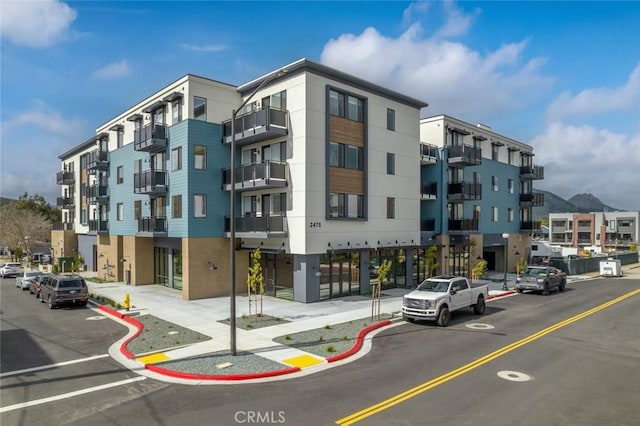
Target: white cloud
x=598, y=100
x=31, y=144
x=204, y=47
x=417, y=8
x=112, y=71
x=585, y=159
x=450, y=76
x=39, y=23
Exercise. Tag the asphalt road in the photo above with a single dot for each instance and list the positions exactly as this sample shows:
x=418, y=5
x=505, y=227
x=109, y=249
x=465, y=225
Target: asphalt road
x=54, y=365
x=532, y=359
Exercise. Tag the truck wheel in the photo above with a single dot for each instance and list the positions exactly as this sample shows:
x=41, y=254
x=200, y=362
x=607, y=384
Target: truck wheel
x=406, y=318
x=443, y=317
x=561, y=286
x=545, y=292
x=479, y=307
x=519, y=290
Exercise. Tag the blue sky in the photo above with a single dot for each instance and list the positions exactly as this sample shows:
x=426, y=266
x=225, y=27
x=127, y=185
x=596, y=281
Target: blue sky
x=561, y=76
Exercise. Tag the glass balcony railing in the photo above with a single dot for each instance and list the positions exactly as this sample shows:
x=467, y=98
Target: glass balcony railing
x=256, y=126
x=258, y=224
x=464, y=155
x=153, y=225
x=150, y=182
x=268, y=174
x=150, y=138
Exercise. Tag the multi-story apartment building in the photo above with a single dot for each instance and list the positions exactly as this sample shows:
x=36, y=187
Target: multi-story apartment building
x=477, y=194
x=610, y=231
x=328, y=177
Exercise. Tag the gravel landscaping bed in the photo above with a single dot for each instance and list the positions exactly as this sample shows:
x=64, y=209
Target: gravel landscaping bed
x=159, y=335
x=242, y=363
x=254, y=322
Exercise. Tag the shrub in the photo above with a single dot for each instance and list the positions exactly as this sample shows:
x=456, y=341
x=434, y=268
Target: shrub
x=330, y=348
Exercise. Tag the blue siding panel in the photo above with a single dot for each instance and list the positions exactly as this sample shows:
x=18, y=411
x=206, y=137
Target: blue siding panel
x=125, y=156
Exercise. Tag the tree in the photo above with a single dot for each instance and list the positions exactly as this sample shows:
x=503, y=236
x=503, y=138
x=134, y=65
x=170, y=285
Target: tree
x=22, y=227
x=479, y=270
x=376, y=294
x=255, y=279
x=36, y=203
x=430, y=264
x=521, y=266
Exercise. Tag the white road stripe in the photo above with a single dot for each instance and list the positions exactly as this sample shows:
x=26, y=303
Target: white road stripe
x=69, y=395
x=46, y=367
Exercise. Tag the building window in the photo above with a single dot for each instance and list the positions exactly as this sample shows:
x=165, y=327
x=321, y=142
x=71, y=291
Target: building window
x=277, y=101
x=510, y=214
x=494, y=183
x=199, y=157
x=512, y=156
x=137, y=209
x=510, y=186
x=176, y=111
x=176, y=206
x=119, y=175
x=354, y=206
x=336, y=205
x=391, y=119
x=348, y=156
x=120, y=211
x=346, y=205
x=391, y=207
x=120, y=137
x=199, y=205
x=494, y=214
x=391, y=163
x=494, y=152
x=346, y=106
x=199, y=108
x=176, y=159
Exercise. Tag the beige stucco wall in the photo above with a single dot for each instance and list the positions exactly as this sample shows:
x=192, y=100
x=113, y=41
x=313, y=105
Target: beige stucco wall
x=137, y=253
x=109, y=249
x=63, y=243
x=199, y=281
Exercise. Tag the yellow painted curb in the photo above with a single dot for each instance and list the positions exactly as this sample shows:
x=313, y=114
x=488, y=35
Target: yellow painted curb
x=302, y=361
x=152, y=359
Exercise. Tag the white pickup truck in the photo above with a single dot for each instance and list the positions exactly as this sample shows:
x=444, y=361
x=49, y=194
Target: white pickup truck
x=437, y=297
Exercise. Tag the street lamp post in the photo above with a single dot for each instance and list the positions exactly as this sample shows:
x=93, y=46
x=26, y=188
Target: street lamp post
x=232, y=209
x=506, y=256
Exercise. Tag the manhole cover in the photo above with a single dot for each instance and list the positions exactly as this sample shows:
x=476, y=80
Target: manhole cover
x=514, y=376
x=479, y=326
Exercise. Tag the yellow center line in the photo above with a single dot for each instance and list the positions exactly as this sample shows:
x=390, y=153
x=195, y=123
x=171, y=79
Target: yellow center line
x=410, y=393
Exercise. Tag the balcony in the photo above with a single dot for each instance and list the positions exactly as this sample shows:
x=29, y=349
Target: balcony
x=427, y=225
x=99, y=226
x=530, y=225
x=463, y=191
x=152, y=225
x=65, y=178
x=532, y=200
x=428, y=190
x=65, y=202
x=150, y=138
x=256, y=126
x=98, y=160
x=531, y=172
x=464, y=155
x=258, y=226
x=268, y=174
x=62, y=226
x=463, y=225
x=428, y=153
x=150, y=182
x=98, y=194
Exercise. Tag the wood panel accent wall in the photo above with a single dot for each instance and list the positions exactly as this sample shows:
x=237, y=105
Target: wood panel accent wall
x=346, y=180
x=346, y=131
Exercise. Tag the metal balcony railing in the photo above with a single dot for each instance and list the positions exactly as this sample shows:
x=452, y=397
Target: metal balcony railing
x=261, y=224
x=65, y=178
x=429, y=190
x=464, y=155
x=65, y=202
x=62, y=226
x=150, y=182
x=150, y=138
x=99, y=226
x=154, y=225
x=427, y=225
x=428, y=153
x=462, y=191
x=531, y=172
x=268, y=174
x=463, y=225
x=256, y=126
x=532, y=200
x=97, y=194
x=98, y=160
x=530, y=225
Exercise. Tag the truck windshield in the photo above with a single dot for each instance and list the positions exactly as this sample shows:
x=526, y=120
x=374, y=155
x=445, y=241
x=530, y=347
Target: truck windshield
x=437, y=286
x=536, y=272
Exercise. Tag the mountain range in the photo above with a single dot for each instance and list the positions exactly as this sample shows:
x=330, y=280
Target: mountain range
x=579, y=203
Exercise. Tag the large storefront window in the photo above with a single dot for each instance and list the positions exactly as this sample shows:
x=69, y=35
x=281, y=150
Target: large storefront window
x=398, y=273
x=161, y=266
x=339, y=274
x=177, y=269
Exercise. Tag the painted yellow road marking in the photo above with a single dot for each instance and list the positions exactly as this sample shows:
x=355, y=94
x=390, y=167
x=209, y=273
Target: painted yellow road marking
x=394, y=400
x=153, y=358
x=302, y=361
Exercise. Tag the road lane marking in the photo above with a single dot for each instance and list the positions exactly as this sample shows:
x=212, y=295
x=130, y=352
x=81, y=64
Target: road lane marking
x=48, y=366
x=417, y=390
x=69, y=394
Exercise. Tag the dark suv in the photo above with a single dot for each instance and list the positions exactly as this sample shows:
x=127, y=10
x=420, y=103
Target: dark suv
x=60, y=290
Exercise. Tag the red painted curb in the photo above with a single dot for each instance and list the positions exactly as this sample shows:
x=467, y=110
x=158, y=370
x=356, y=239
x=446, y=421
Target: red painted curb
x=195, y=376
x=356, y=347
x=501, y=294
x=136, y=324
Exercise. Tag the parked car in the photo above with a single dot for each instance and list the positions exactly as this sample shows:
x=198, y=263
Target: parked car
x=24, y=281
x=35, y=285
x=435, y=298
x=541, y=279
x=58, y=290
x=11, y=269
